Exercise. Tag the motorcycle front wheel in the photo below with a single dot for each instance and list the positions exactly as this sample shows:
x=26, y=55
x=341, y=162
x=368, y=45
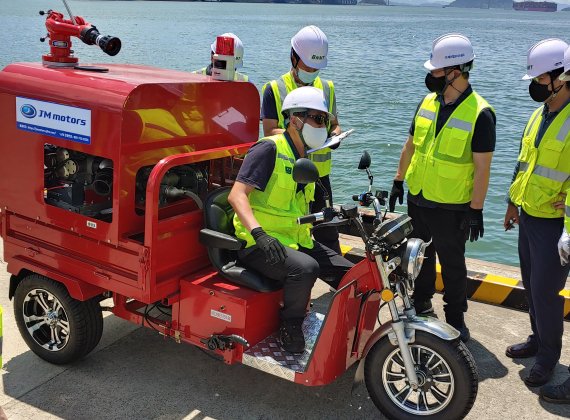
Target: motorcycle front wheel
x=447, y=377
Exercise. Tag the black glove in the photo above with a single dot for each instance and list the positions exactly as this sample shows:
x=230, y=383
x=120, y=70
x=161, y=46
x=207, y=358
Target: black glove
x=473, y=224
x=396, y=193
x=329, y=213
x=275, y=252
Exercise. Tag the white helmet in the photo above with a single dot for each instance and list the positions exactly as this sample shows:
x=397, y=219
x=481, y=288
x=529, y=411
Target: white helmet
x=450, y=50
x=545, y=56
x=238, y=48
x=312, y=46
x=565, y=77
x=305, y=97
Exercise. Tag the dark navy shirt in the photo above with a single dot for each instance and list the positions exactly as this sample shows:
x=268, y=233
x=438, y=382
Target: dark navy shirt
x=259, y=164
x=483, y=141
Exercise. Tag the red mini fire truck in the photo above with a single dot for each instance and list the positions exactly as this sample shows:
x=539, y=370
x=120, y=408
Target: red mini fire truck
x=114, y=184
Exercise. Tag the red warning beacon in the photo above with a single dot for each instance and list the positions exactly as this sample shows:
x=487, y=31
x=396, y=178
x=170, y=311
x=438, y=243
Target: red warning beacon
x=224, y=67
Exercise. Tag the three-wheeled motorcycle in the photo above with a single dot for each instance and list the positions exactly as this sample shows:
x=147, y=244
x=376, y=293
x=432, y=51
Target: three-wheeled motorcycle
x=115, y=184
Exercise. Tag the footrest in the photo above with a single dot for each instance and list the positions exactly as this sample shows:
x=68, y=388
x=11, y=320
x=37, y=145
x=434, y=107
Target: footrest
x=268, y=356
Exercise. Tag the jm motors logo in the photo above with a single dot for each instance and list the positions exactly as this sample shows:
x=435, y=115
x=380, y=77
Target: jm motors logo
x=28, y=111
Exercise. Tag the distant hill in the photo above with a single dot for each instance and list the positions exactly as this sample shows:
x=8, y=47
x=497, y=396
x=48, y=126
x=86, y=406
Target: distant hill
x=483, y=4
x=426, y=4
x=376, y=2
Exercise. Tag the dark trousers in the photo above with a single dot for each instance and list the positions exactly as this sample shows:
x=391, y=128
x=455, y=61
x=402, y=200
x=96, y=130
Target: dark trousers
x=298, y=273
x=443, y=227
x=543, y=278
x=328, y=236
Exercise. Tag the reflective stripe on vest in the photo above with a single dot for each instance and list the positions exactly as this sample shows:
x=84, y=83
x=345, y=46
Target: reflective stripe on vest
x=442, y=166
x=567, y=212
x=544, y=172
x=283, y=86
x=278, y=206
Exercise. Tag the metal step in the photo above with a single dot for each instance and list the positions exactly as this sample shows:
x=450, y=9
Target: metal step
x=268, y=356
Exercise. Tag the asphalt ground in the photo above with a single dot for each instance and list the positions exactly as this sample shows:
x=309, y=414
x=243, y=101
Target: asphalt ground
x=136, y=374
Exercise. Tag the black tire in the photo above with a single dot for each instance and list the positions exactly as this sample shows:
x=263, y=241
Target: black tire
x=77, y=325
x=96, y=323
x=383, y=383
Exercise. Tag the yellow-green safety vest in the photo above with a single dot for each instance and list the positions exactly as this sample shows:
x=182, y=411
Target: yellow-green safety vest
x=442, y=166
x=284, y=85
x=279, y=205
x=544, y=172
x=238, y=77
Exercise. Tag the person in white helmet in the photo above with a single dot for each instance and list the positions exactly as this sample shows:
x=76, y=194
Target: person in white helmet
x=536, y=203
x=267, y=202
x=560, y=394
x=309, y=55
x=238, y=54
x=446, y=164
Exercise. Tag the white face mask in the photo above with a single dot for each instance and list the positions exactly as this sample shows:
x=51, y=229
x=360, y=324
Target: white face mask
x=314, y=137
x=307, y=77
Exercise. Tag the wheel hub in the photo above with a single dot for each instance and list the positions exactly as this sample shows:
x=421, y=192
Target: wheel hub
x=52, y=318
x=45, y=319
x=435, y=387
x=422, y=377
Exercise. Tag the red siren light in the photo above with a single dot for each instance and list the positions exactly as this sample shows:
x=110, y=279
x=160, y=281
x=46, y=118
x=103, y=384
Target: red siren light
x=224, y=45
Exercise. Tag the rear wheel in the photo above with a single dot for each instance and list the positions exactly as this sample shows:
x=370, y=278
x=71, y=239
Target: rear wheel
x=55, y=326
x=446, y=373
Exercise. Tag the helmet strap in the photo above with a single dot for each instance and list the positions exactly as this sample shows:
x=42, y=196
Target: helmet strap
x=552, y=88
x=295, y=57
x=300, y=132
x=449, y=82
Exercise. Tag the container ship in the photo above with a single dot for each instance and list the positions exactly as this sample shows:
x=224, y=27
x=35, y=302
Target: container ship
x=535, y=6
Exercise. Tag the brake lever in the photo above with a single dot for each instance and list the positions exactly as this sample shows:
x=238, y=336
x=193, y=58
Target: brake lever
x=335, y=221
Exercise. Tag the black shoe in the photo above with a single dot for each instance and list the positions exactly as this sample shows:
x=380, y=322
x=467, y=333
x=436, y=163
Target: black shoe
x=559, y=394
x=291, y=336
x=522, y=350
x=538, y=376
x=423, y=307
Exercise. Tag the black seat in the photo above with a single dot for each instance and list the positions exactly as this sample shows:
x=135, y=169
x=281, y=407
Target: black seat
x=222, y=245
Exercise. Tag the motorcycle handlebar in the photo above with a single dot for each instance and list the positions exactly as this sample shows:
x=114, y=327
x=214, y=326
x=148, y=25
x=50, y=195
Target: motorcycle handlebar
x=311, y=218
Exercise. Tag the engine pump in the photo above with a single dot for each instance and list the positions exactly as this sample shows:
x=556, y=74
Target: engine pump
x=78, y=182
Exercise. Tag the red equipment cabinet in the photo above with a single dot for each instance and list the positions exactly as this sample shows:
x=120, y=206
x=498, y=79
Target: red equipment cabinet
x=138, y=116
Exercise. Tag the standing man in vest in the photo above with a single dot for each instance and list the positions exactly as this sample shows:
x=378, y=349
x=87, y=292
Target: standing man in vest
x=309, y=49
x=561, y=393
x=267, y=202
x=446, y=162
x=238, y=55
x=540, y=182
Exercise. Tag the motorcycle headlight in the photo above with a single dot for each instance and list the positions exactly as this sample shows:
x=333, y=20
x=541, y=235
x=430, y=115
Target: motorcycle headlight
x=413, y=257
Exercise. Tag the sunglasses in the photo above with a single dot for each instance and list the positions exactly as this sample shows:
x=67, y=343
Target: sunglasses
x=318, y=118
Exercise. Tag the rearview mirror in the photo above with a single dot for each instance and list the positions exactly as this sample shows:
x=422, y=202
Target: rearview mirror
x=305, y=171
x=365, y=160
